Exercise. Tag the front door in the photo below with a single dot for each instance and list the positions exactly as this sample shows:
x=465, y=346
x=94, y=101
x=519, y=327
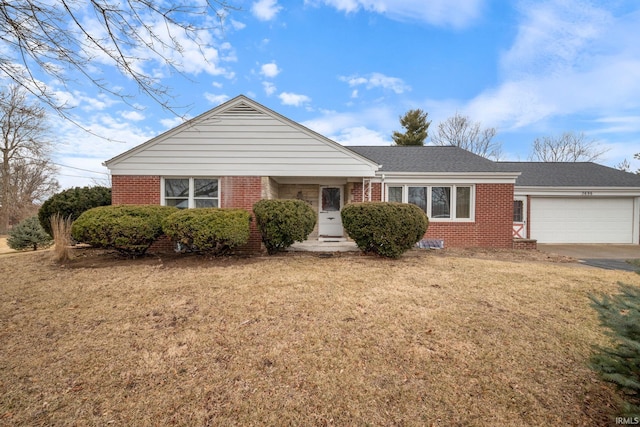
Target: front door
x=329, y=220
x=520, y=218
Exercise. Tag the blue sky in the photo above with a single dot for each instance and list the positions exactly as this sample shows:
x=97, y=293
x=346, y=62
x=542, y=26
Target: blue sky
x=350, y=68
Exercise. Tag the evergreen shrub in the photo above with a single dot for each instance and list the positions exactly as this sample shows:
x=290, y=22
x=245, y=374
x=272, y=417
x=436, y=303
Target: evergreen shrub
x=283, y=222
x=384, y=228
x=214, y=231
x=129, y=229
x=71, y=203
x=620, y=363
x=28, y=234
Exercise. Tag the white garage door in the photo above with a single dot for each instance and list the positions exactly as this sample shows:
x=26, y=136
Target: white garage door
x=579, y=220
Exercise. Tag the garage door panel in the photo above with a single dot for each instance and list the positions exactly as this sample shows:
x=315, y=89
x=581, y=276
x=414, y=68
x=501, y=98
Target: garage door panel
x=582, y=220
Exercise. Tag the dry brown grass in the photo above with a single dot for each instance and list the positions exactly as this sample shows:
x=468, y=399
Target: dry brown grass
x=300, y=340
x=61, y=230
x=4, y=247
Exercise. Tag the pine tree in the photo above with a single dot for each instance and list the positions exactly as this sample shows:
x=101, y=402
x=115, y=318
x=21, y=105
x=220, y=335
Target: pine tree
x=28, y=234
x=417, y=128
x=620, y=364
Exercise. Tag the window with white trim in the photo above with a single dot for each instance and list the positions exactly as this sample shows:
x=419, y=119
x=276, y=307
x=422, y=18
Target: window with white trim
x=439, y=202
x=185, y=193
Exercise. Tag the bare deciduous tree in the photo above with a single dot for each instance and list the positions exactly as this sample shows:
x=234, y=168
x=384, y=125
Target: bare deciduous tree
x=53, y=38
x=26, y=173
x=460, y=131
x=568, y=147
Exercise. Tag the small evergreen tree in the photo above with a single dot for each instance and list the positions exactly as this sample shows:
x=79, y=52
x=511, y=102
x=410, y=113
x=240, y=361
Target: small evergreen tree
x=417, y=129
x=620, y=364
x=28, y=234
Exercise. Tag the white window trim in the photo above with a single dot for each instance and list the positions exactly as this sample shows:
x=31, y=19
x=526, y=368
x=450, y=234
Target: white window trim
x=452, y=208
x=192, y=198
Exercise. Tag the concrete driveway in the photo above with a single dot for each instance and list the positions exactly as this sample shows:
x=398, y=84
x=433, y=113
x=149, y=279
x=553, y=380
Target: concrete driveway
x=611, y=257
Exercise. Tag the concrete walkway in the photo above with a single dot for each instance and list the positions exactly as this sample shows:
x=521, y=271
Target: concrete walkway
x=593, y=251
x=610, y=257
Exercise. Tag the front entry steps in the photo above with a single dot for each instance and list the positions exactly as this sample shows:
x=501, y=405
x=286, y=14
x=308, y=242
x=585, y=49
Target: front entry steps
x=330, y=239
x=332, y=245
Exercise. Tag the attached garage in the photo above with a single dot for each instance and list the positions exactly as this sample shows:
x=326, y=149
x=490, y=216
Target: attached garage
x=581, y=202
x=582, y=220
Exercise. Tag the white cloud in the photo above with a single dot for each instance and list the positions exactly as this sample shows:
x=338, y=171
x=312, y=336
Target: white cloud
x=371, y=126
x=81, y=149
x=265, y=10
x=270, y=70
x=377, y=80
x=237, y=25
x=171, y=122
x=134, y=116
x=269, y=88
x=288, y=98
x=569, y=57
x=361, y=135
x=453, y=13
x=216, y=99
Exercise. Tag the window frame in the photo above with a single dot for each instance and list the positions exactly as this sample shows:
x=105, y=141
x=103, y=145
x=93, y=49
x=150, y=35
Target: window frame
x=452, y=199
x=191, y=198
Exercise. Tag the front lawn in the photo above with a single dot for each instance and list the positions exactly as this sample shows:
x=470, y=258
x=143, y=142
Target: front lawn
x=300, y=340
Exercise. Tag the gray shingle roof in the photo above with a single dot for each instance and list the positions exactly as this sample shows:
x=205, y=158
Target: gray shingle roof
x=427, y=159
x=534, y=174
x=587, y=174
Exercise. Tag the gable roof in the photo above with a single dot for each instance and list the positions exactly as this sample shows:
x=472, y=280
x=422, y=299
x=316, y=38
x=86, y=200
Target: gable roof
x=241, y=138
x=568, y=174
x=428, y=159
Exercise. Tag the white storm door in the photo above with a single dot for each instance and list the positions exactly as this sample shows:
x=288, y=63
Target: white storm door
x=520, y=218
x=329, y=220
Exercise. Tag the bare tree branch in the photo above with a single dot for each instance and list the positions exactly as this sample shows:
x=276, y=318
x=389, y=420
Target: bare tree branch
x=568, y=147
x=26, y=172
x=51, y=39
x=460, y=131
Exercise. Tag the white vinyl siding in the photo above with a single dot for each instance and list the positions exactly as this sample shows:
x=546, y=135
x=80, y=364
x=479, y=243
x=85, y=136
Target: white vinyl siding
x=582, y=220
x=242, y=141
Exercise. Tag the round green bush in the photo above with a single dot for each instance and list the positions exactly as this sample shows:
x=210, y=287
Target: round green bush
x=28, y=234
x=211, y=230
x=129, y=229
x=282, y=222
x=71, y=203
x=384, y=228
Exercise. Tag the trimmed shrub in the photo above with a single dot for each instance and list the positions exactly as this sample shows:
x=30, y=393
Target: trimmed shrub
x=28, y=234
x=129, y=229
x=211, y=230
x=384, y=228
x=282, y=222
x=71, y=203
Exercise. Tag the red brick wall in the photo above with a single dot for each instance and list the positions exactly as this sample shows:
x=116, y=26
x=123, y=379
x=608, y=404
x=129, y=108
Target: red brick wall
x=235, y=192
x=493, y=219
x=135, y=190
x=356, y=193
x=243, y=192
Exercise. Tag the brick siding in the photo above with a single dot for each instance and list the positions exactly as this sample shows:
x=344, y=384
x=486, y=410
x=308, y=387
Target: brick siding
x=135, y=190
x=493, y=223
x=493, y=211
x=235, y=192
